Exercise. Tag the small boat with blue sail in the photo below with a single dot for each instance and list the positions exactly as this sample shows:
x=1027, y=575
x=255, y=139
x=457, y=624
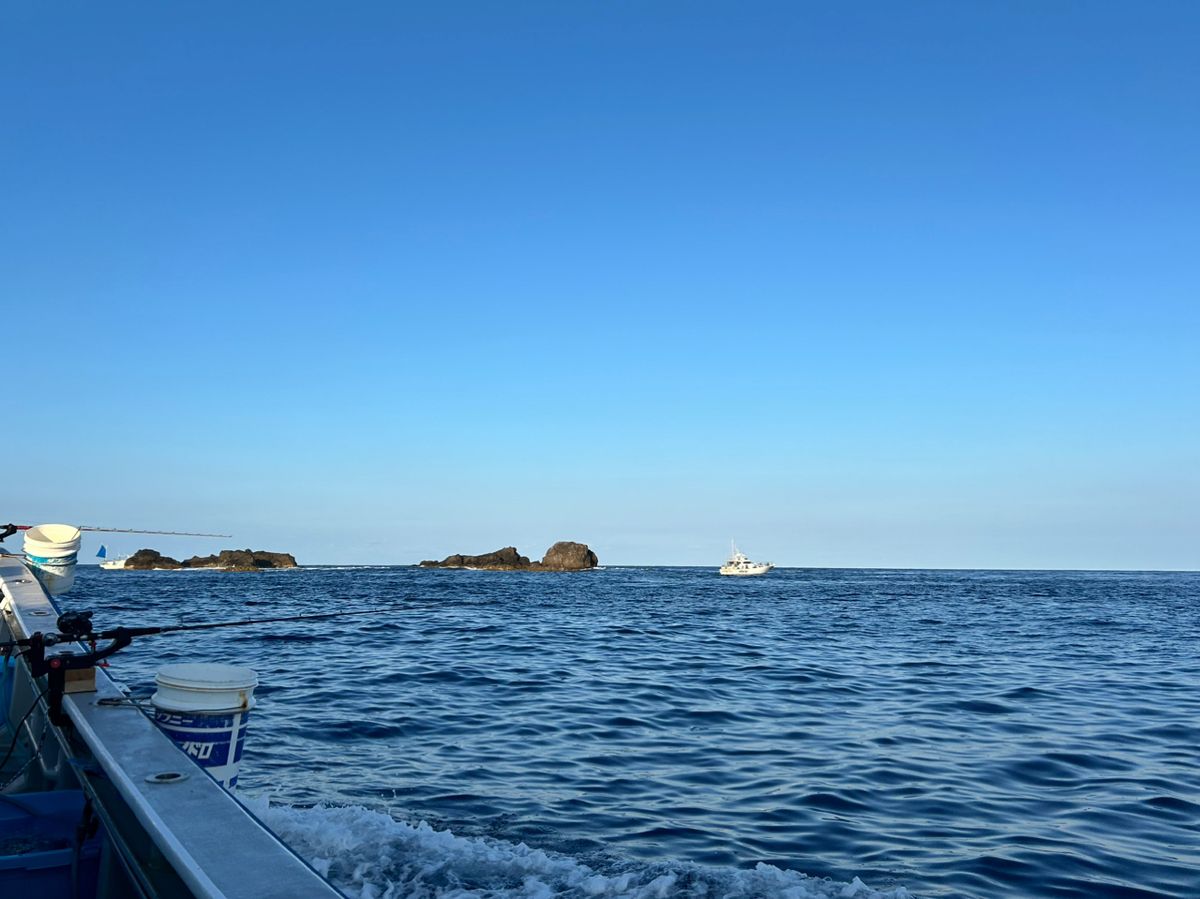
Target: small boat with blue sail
x=103, y=796
x=107, y=563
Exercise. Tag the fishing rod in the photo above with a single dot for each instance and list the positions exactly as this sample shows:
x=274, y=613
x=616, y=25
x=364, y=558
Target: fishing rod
x=26, y=527
x=76, y=627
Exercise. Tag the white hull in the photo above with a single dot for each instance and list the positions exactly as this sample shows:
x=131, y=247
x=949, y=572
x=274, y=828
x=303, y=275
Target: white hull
x=741, y=566
x=113, y=564
x=746, y=571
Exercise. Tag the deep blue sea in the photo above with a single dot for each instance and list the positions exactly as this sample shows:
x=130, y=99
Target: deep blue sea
x=665, y=732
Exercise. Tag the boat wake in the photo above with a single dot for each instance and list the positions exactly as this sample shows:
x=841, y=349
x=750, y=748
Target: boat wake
x=369, y=855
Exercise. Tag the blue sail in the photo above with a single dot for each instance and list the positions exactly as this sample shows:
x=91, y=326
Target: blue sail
x=103, y=554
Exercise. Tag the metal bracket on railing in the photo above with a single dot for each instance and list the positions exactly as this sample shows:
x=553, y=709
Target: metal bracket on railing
x=55, y=667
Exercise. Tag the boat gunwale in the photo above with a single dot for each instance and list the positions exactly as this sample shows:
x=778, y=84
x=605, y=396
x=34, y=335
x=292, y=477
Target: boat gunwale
x=200, y=829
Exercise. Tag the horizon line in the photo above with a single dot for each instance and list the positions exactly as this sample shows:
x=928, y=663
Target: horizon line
x=714, y=567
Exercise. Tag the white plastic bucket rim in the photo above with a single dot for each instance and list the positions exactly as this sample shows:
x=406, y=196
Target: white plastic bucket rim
x=52, y=541
x=204, y=687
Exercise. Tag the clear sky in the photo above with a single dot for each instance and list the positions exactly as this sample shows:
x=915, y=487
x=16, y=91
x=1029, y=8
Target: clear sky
x=857, y=284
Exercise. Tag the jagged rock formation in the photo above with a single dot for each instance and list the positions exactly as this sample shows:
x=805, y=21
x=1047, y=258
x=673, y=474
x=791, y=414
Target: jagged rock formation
x=150, y=559
x=568, y=556
x=507, y=559
x=562, y=556
x=227, y=560
x=242, y=560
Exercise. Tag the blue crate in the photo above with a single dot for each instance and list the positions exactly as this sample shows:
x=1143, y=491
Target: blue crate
x=37, y=835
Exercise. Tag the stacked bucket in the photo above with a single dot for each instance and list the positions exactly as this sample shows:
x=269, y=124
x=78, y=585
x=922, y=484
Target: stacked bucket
x=51, y=551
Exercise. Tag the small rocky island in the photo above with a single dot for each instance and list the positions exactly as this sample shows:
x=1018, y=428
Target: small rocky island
x=226, y=560
x=562, y=556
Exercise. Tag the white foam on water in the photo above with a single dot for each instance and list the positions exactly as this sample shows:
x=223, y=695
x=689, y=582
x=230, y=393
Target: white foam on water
x=332, y=568
x=370, y=855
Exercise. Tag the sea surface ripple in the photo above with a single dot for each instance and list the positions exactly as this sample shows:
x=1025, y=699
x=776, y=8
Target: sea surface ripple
x=665, y=732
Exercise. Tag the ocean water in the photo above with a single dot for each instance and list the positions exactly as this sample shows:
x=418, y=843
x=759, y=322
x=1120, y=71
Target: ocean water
x=659, y=732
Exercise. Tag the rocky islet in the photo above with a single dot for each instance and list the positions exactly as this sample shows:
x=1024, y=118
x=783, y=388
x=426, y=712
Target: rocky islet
x=226, y=560
x=562, y=556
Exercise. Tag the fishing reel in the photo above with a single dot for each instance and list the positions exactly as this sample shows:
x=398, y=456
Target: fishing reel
x=73, y=627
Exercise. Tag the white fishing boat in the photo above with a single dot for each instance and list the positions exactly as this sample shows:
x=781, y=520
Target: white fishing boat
x=97, y=801
x=741, y=566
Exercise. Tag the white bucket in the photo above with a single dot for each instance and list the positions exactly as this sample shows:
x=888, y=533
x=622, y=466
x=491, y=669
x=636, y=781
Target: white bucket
x=205, y=709
x=51, y=551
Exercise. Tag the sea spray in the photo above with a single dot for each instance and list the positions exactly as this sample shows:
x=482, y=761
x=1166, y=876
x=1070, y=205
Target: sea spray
x=369, y=855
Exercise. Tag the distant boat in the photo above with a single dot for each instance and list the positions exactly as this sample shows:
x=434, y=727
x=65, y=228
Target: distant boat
x=110, y=564
x=740, y=566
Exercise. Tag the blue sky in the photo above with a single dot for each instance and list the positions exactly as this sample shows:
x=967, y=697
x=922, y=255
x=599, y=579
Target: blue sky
x=864, y=284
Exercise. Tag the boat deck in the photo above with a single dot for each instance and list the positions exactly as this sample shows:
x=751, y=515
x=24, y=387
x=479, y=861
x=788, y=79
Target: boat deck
x=211, y=845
